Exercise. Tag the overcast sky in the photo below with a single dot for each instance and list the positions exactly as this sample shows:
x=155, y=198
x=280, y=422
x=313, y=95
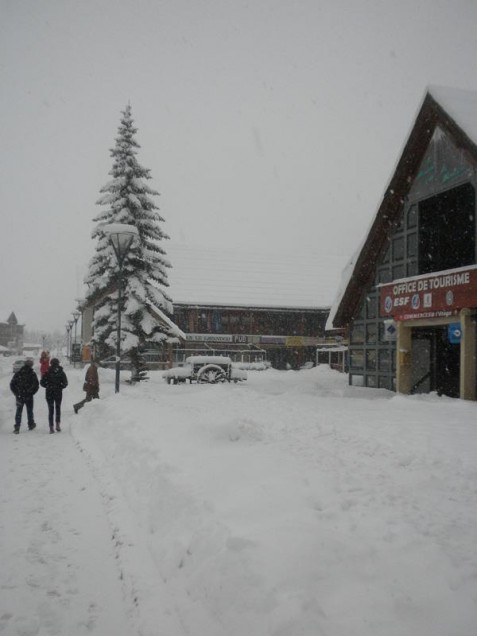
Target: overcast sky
x=273, y=124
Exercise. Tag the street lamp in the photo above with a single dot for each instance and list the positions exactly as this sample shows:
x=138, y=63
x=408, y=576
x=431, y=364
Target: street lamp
x=68, y=329
x=70, y=324
x=121, y=236
x=76, y=315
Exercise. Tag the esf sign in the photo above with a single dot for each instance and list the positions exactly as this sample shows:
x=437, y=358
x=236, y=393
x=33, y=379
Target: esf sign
x=434, y=295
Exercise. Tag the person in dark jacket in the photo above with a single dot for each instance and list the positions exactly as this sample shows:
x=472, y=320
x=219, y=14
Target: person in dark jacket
x=54, y=381
x=90, y=386
x=24, y=385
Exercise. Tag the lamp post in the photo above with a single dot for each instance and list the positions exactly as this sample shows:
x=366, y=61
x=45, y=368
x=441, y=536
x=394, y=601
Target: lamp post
x=70, y=324
x=76, y=315
x=121, y=236
x=67, y=327
x=67, y=337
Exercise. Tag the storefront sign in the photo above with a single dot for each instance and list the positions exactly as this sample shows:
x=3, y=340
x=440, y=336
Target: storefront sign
x=294, y=341
x=435, y=295
x=207, y=337
x=280, y=340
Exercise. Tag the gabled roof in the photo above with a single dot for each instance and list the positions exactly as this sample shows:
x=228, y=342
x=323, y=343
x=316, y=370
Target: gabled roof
x=455, y=111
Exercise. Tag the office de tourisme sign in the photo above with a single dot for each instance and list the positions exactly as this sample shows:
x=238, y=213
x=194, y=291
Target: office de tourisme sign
x=436, y=295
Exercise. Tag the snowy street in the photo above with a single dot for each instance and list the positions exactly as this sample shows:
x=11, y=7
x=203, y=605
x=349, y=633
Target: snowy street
x=290, y=504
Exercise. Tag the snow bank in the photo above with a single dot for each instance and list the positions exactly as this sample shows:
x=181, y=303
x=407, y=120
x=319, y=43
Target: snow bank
x=290, y=504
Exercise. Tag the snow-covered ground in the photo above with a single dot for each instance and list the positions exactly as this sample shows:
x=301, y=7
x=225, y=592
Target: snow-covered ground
x=289, y=505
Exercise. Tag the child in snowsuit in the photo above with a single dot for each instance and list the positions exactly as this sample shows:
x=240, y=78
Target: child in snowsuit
x=24, y=385
x=54, y=381
x=91, y=386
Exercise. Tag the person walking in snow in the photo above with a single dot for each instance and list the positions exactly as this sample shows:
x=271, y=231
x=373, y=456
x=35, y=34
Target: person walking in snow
x=44, y=362
x=24, y=385
x=54, y=381
x=90, y=386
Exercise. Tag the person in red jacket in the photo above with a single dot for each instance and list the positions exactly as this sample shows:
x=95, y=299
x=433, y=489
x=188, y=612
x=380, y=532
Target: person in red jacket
x=44, y=362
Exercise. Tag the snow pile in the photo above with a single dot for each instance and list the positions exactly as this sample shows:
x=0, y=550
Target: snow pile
x=290, y=504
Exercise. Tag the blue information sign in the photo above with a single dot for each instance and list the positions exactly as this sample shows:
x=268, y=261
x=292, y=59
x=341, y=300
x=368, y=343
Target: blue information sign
x=454, y=332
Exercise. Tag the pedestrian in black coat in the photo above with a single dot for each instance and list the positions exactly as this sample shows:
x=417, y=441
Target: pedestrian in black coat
x=24, y=385
x=54, y=381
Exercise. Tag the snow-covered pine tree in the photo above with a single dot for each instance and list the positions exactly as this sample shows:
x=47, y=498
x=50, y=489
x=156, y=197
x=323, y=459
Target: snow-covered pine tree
x=128, y=199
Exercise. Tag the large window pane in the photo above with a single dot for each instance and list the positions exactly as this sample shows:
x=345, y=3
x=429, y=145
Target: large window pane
x=371, y=359
x=357, y=359
x=371, y=307
x=371, y=332
x=398, y=248
x=384, y=360
x=357, y=334
x=447, y=230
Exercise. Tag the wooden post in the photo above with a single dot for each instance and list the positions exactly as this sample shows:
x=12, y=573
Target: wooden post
x=467, y=356
x=403, y=358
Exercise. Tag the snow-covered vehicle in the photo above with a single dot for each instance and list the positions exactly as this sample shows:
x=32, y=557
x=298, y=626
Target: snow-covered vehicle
x=205, y=370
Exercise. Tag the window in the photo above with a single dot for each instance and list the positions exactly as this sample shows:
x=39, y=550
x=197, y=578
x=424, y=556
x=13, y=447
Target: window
x=384, y=275
x=371, y=359
x=385, y=382
x=399, y=271
x=447, y=230
x=384, y=360
x=371, y=332
x=398, y=248
x=412, y=244
x=357, y=359
x=357, y=380
x=412, y=216
x=357, y=334
x=371, y=307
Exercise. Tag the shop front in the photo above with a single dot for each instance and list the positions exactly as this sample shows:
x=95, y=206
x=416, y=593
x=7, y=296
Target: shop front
x=435, y=326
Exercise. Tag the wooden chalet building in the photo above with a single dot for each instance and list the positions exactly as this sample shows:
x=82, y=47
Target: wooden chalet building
x=410, y=301
x=286, y=337
x=252, y=304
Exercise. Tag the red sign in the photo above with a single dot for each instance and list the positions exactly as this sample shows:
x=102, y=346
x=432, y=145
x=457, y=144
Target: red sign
x=436, y=295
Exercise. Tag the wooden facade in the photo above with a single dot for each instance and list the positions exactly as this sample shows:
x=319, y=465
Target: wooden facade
x=287, y=336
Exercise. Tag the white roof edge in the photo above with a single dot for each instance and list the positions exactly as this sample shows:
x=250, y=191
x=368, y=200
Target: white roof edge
x=252, y=306
x=175, y=329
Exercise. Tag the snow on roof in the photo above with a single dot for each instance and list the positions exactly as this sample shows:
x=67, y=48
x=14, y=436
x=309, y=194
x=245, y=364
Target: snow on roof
x=341, y=288
x=168, y=322
x=461, y=106
x=223, y=276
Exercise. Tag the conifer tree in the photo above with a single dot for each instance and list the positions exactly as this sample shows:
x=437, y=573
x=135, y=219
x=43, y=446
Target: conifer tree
x=127, y=198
